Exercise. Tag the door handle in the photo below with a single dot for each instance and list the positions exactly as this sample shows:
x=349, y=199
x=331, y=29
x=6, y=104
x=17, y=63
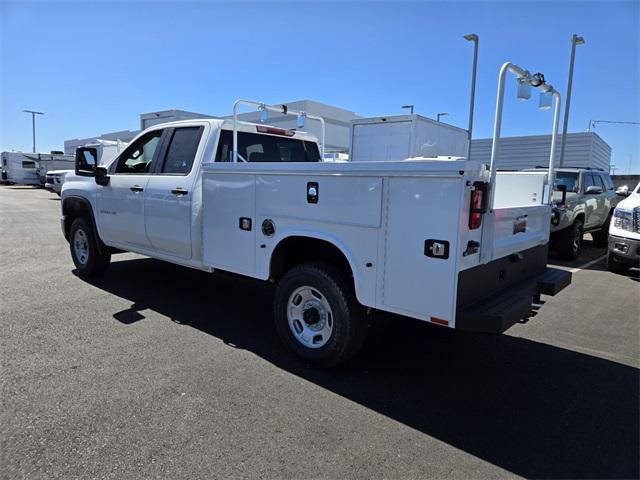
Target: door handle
x=179, y=191
x=136, y=188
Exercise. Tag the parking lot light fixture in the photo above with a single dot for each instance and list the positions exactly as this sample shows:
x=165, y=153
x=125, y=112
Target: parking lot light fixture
x=410, y=107
x=440, y=114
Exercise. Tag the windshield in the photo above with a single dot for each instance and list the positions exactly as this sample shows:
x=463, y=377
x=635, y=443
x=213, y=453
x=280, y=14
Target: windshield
x=568, y=179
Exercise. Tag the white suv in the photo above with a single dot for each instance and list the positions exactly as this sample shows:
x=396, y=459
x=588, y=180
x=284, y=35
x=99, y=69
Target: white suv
x=624, y=234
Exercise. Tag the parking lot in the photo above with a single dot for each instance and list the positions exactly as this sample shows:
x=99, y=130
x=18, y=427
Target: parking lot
x=160, y=371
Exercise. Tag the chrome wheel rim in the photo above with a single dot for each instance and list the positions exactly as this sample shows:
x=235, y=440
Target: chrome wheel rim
x=81, y=246
x=310, y=317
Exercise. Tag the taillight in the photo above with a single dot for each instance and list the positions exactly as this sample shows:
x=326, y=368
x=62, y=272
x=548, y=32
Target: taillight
x=477, y=205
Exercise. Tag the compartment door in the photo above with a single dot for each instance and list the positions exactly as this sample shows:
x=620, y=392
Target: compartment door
x=228, y=202
x=421, y=209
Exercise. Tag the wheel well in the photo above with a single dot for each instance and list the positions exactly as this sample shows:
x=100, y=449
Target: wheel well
x=296, y=250
x=580, y=216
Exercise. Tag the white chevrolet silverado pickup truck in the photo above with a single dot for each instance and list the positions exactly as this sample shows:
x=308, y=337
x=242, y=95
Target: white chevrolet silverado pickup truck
x=428, y=238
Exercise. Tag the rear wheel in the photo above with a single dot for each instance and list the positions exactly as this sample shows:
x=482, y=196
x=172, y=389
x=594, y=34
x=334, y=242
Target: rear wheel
x=569, y=241
x=317, y=315
x=614, y=265
x=84, y=249
x=601, y=237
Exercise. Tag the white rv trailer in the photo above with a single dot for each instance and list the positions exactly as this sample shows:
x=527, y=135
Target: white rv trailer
x=397, y=137
x=20, y=168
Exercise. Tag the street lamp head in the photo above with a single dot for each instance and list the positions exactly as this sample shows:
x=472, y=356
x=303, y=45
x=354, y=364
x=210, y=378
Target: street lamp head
x=31, y=111
x=471, y=37
x=578, y=40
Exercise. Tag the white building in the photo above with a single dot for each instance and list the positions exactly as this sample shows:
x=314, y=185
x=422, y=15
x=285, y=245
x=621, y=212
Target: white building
x=584, y=149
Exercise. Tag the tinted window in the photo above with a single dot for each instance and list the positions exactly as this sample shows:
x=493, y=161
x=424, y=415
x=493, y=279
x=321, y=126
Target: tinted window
x=182, y=150
x=608, y=182
x=138, y=156
x=28, y=164
x=589, y=181
x=266, y=148
x=568, y=179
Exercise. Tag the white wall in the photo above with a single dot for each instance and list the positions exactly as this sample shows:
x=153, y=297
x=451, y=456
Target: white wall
x=585, y=149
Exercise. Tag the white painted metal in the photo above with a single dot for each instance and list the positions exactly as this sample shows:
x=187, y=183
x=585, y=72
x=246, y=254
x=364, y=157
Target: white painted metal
x=378, y=214
x=493, y=233
x=400, y=137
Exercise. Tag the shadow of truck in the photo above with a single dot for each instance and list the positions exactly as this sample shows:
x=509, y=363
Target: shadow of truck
x=531, y=408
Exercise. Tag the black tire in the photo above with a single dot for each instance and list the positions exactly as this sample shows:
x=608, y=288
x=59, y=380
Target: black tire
x=614, y=265
x=347, y=316
x=569, y=243
x=84, y=249
x=601, y=237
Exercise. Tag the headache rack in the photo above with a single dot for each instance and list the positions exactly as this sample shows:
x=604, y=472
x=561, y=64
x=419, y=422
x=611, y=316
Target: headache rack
x=263, y=108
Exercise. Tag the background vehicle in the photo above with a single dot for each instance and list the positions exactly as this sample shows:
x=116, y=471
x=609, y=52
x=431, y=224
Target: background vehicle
x=20, y=168
x=624, y=234
x=429, y=238
x=99, y=152
x=55, y=179
x=588, y=208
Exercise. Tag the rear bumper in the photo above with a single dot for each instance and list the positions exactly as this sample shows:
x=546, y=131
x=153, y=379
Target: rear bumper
x=493, y=297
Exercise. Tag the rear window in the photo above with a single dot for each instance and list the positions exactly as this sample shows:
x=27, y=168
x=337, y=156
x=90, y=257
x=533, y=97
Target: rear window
x=254, y=147
x=27, y=164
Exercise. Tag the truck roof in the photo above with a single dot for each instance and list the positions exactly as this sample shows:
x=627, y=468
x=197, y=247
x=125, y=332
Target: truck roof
x=227, y=124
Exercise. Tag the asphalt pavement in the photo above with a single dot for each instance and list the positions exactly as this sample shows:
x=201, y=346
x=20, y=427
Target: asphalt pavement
x=158, y=371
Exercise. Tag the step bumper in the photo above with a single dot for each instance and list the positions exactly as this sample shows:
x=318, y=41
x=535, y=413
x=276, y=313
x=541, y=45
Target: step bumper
x=498, y=312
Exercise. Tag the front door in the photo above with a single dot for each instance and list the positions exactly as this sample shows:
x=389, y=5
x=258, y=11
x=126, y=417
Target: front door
x=121, y=202
x=170, y=191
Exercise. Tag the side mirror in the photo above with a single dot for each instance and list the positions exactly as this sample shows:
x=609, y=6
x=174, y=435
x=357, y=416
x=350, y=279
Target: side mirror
x=102, y=177
x=623, y=191
x=593, y=190
x=563, y=189
x=86, y=161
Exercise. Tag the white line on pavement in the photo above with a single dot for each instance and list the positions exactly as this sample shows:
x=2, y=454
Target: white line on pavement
x=588, y=264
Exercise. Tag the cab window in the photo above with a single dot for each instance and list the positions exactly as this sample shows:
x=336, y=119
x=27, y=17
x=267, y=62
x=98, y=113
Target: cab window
x=182, y=150
x=589, y=182
x=137, y=157
x=253, y=147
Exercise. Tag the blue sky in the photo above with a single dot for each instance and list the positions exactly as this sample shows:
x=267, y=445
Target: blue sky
x=93, y=67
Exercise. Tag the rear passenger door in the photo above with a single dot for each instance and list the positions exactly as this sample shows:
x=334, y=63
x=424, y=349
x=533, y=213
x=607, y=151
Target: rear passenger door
x=594, y=203
x=170, y=192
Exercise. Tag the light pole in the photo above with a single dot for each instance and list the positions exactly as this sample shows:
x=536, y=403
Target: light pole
x=440, y=114
x=410, y=107
x=472, y=37
x=575, y=40
x=593, y=123
x=33, y=125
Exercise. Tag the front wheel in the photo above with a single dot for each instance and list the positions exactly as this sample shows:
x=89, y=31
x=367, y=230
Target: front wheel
x=569, y=241
x=84, y=249
x=317, y=315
